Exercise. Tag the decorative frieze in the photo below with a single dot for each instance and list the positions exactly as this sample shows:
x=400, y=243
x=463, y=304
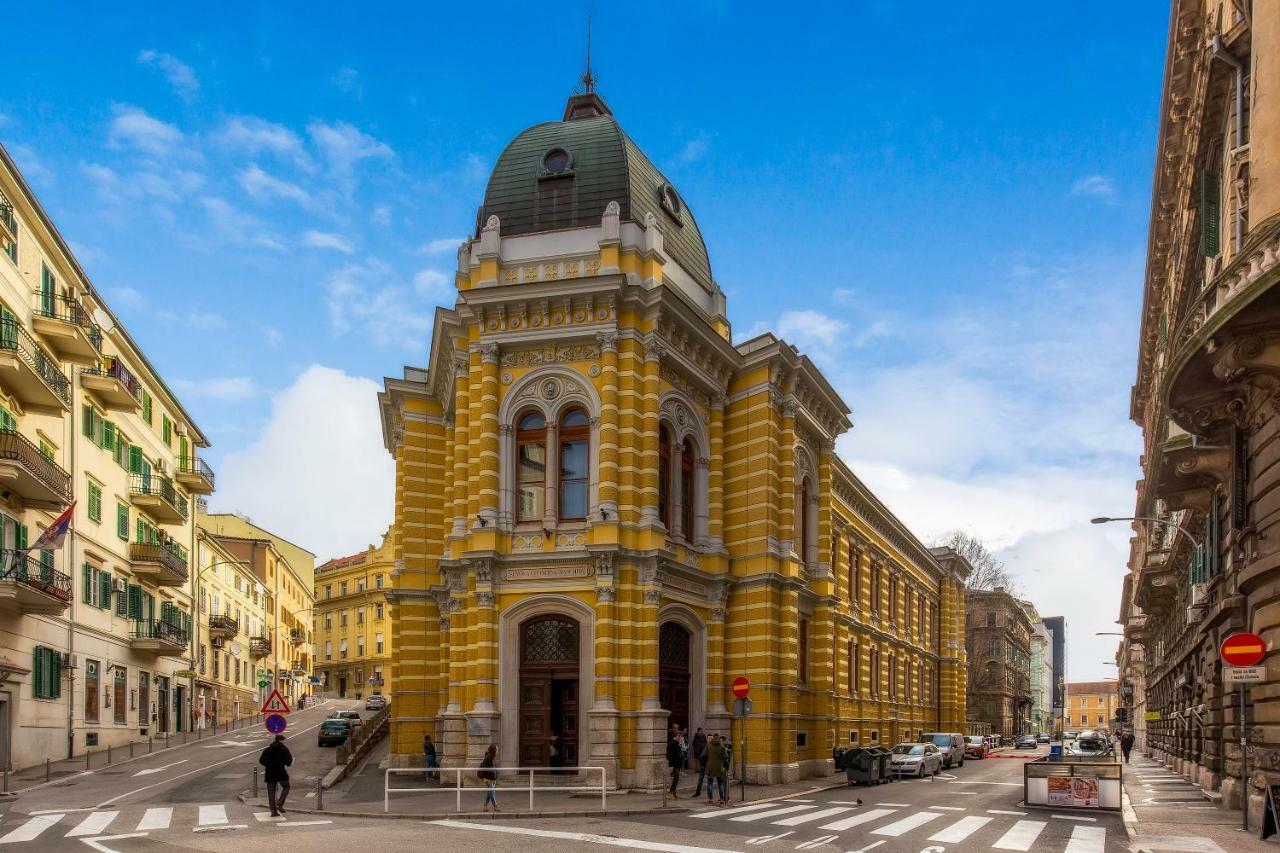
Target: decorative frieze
x=551, y=354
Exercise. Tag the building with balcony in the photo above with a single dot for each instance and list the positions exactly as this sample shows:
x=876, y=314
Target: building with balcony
x=94, y=637
x=1205, y=398
x=282, y=643
x=353, y=622
x=998, y=640
x=1091, y=705
x=606, y=510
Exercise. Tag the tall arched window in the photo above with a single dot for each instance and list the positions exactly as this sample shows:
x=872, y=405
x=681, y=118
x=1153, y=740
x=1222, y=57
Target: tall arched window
x=686, y=490
x=664, y=476
x=575, y=435
x=531, y=468
x=802, y=522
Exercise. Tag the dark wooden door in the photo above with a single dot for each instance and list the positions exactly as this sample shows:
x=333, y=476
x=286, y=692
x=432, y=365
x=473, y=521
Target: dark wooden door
x=564, y=719
x=535, y=720
x=673, y=672
x=548, y=690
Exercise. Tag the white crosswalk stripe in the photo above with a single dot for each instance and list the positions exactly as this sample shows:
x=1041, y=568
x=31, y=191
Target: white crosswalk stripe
x=960, y=830
x=94, y=824
x=811, y=816
x=32, y=828
x=213, y=815
x=770, y=813
x=1023, y=834
x=712, y=813
x=157, y=818
x=1087, y=839
x=906, y=824
x=857, y=819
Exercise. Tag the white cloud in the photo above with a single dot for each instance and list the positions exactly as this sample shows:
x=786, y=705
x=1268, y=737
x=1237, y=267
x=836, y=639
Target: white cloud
x=225, y=389
x=368, y=299
x=440, y=246
x=205, y=321
x=255, y=136
x=180, y=76
x=264, y=187
x=325, y=240
x=694, y=149
x=808, y=328
x=433, y=284
x=344, y=147
x=273, y=336
x=126, y=297
x=347, y=81
x=1095, y=186
x=381, y=216
x=288, y=478
x=237, y=227
x=165, y=187
x=133, y=127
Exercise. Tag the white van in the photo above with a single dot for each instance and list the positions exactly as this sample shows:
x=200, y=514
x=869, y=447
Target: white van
x=951, y=744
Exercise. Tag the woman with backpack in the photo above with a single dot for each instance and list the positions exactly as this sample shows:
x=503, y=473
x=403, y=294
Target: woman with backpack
x=490, y=777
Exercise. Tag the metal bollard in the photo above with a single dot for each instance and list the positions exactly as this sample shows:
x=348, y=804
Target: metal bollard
x=108, y=755
x=87, y=759
x=48, y=771
x=320, y=796
x=150, y=745
x=131, y=749
x=255, y=783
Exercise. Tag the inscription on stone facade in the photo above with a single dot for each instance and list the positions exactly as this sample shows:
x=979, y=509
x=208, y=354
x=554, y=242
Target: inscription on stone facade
x=549, y=573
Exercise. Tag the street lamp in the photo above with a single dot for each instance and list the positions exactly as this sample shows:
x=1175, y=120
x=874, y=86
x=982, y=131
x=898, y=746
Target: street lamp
x=1103, y=519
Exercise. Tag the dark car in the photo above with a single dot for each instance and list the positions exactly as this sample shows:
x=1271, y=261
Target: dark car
x=333, y=732
x=352, y=717
x=1091, y=743
x=1025, y=742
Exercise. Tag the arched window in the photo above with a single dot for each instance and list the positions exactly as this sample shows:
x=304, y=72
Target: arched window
x=802, y=522
x=575, y=429
x=531, y=469
x=664, y=475
x=686, y=490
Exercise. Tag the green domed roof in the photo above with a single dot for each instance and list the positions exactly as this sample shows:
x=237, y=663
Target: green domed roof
x=530, y=193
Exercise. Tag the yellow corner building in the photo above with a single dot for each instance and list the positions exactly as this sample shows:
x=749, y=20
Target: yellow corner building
x=353, y=622
x=606, y=510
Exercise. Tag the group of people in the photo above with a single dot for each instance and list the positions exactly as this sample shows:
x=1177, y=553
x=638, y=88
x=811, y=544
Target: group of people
x=713, y=755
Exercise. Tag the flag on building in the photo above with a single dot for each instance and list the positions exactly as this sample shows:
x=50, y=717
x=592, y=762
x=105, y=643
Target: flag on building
x=55, y=534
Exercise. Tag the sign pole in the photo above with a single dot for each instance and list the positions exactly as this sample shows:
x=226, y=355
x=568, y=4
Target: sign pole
x=1243, y=650
x=742, y=738
x=1244, y=768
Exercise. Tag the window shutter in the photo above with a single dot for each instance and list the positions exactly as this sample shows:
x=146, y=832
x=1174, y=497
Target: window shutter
x=108, y=435
x=135, y=601
x=54, y=670
x=104, y=588
x=122, y=602
x=20, y=537
x=1210, y=214
x=135, y=459
x=122, y=521
x=88, y=584
x=37, y=672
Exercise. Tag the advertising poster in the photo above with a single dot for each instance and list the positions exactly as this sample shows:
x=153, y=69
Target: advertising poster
x=1059, y=790
x=1076, y=791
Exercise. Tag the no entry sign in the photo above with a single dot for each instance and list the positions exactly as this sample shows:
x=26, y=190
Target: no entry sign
x=1243, y=649
x=741, y=687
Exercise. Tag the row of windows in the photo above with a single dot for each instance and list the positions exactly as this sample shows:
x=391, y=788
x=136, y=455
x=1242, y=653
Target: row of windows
x=342, y=616
x=915, y=680
x=343, y=588
x=378, y=646
x=916, y=611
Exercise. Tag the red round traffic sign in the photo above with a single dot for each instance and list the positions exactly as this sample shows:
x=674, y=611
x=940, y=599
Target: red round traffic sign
x=741, y=687
x=1243, y=649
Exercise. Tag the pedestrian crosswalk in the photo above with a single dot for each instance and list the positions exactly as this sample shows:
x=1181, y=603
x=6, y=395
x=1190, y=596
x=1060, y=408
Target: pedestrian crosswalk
x=85, y=823
x=1000, y=829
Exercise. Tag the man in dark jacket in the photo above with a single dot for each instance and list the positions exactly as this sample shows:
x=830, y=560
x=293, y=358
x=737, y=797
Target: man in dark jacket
x=1126, y=745
x=675, y=758
x=697, y=748
x=276, y=758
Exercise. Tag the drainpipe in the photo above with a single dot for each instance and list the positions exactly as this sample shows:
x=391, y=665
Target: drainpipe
x=75, y=537
x=1220, y=52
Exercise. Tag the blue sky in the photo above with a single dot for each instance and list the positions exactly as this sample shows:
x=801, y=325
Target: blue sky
x=947, y=209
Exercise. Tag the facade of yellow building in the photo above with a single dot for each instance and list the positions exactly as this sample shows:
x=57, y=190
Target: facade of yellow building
x=606, y=510
x=353, y=622
x=1091, y=705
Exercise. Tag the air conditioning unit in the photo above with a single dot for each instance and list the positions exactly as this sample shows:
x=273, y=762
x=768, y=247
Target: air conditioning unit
x=180, y=428
x=1199, y=594
x=120, y=585
x=161, y=468
x=70, y=661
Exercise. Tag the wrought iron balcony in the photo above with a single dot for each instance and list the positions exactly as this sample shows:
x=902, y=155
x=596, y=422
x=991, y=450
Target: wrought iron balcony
x=156, y=635
x=29, y=586
x=297, y=635
x=300, y=667
x=163, y=563
x=259, y=647
x=113, y=386
x=196, y=475
x=62, y=321
x=29, y=474
x=29, y=371
x=7, y=220
x=160, y=497
x=223, y=626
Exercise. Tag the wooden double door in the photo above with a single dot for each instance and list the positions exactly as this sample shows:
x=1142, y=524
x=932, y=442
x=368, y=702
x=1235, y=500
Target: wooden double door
x=674, y=675
x=549, y=692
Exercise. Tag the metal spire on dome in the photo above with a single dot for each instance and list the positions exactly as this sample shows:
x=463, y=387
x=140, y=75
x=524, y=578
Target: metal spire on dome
x=585, y=102
x=588, y=79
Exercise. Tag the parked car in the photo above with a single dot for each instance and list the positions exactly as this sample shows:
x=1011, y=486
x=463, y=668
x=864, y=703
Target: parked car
x=1025, y=742
x=352, y=717
x=950, y=744
x=915, y=759
x=975, y=746
x=992, y=742
x=333, y=732
x=376, y=702
x=1070, y=735
x=1091, y=743
x=1043, y=737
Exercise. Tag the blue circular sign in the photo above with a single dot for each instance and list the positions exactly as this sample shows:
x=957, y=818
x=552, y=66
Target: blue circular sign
x=276, y=723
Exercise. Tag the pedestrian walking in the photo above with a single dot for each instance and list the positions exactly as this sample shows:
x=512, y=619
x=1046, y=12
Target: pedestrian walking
x=715, y=767
x=490, y=777
x=276, y=758
x=699, y=748
x=1126, y=745
x=675, y=758
x=430, y=760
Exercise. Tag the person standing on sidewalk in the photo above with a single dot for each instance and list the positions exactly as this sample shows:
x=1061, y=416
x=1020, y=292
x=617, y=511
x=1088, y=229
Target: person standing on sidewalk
x=1126, y=745
x=276, y=758
x=699, y=749
x=490, y=777
x=675, y=758
x=430, y=760
x=714, y=766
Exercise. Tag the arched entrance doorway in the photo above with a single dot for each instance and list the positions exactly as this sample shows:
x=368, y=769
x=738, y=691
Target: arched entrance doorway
x=549, y=690
x=674, y=646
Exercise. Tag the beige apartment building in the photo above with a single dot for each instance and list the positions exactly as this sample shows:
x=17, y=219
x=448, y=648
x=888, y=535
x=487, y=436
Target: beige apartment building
x=1091, y=705
x=285, y=651
x=353, y=622
x=1205, y=397
x=94, y=636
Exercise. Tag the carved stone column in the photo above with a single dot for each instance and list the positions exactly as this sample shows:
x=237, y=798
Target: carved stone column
x=604, y=714
x=608, y=436
x=483, y=719
x=649, y=515
x=488, y=434
x=788, y=529
x=461, y=434
x=715, y=476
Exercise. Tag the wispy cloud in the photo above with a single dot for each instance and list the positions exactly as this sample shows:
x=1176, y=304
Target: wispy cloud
x=206, y=321
x=440, y=246
x=370, y=300
x=694, y=149
x=133, y=127
x=254, y=136
x=181, y=77
x=344, y=147
x=433, y=284
x=809, y=328
x=237, y=227
x=347, y=81
x=264, y=187
x=1095, y=186
x=326, y=240
x=222, y=388
x=273, y=336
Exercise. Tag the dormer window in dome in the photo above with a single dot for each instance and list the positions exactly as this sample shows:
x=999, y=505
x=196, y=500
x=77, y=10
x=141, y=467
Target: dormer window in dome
x=671, y=203
x=556, y=163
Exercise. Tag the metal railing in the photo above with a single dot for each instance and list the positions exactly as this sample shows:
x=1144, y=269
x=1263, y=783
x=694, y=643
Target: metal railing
x=68, y=309
x=161, y=487
x=20, y=449
x=224, y=623
x=197, y=466
x=16, y=339
x=259, y=646
x=458, y=787
x=158, y=629
x=172, y=557
x=6, y=216
x=117, y=371
x=21, y=567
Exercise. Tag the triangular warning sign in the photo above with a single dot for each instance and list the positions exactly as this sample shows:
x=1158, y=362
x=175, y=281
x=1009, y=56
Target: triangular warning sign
x=275, y=704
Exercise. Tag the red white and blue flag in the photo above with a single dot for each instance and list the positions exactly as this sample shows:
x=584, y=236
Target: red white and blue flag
x=55, y=534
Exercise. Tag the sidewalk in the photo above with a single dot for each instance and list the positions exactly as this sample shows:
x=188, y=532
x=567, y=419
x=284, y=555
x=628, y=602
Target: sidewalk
x=361, y=795
x=1164, y=813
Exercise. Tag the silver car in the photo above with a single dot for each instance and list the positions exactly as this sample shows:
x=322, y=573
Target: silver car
x=915, y=759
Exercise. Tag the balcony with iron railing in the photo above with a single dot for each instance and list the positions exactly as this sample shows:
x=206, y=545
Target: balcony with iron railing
x=163, y=563
x=223, y=626
x=32, y=476
x=196, y=475
x=113, y=386
x=28, y=585
x=158, y=495
x=7, y=220
x=156, y=635
x=259, y=647
x=29, y=371
x=62, y=321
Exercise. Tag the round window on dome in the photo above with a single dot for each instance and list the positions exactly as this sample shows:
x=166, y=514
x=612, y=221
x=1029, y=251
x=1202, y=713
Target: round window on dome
x=671, y=201
x=556, y=162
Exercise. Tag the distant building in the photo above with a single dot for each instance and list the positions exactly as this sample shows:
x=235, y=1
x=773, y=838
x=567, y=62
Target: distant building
x=1041, y=672
x=1091, y=705
x=353, y=622
x=998, y=642
x=1057, y=628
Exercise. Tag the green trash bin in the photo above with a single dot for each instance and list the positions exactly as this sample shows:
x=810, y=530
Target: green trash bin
x=861, y=767
x=885, y=769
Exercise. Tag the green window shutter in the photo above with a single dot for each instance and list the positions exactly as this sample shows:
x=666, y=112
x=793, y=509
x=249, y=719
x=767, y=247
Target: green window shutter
x=122, y=521
x=148, y=606
x=142, y=539
x=55, y=670
x=88, y=421
x=146, y=407
x=108, y=439
x=122, y=602
x=87, y=593
x=8, y=329
x=1210, y=214
x=47, y=287
x=95, y=502
x=184, y=448
x=38, y=677
x=135, y=459
x=167, y=430
x=135, y=601
x=8, y=422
